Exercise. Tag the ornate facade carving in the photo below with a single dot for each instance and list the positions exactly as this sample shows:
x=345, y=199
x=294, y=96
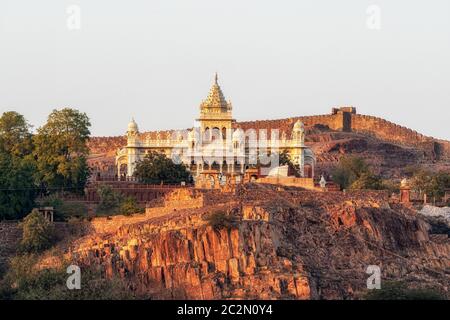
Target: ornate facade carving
x=219, y=144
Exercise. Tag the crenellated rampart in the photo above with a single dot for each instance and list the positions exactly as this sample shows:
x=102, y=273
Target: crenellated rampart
x=340, y=119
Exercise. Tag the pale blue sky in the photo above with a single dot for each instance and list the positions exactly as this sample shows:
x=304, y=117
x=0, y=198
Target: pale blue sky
x=155, y=60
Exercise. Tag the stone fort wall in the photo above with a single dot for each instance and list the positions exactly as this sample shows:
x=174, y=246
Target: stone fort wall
x=343, y=119
x=10, y=236
x=353, y=122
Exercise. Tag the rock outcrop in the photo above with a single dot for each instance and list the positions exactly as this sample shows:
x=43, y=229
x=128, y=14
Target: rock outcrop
x=286, y=244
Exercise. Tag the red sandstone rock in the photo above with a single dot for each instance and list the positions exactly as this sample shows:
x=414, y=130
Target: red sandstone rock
x=310, y=245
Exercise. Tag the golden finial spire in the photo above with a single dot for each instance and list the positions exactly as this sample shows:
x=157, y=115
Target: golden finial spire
x=216, y=78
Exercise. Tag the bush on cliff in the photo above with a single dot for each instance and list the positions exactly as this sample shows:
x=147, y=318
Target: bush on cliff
x=129, y=206
x=220, y=220
x=354, y=173
x=433, y=184
x=26, y=282
x=367, y=181
x=112, y=202
x=399, y=291
x=37, y=233
x=110, y=199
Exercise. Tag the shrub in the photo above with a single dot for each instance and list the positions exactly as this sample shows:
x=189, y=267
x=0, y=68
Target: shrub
x=399, y=291
x=25, y=282
x=110, y=200
x=220, y=220
x=129, y=206
x=73, y=210
x=367, y=180
x=113, y=202
x=37, y=233
x=20, y=270
x=354, y=173
x=391, y=186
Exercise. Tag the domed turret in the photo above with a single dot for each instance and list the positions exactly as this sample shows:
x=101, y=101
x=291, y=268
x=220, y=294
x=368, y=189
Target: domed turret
x=298, y=126
x=132, y=126
x=298, y=133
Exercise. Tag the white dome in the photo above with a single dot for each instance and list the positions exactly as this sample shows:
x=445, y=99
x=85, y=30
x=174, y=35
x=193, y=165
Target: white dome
x=132, y=126
x=298, y=126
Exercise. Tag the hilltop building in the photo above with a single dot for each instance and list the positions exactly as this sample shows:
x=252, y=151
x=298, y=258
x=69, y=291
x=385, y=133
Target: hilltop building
x=218, y=144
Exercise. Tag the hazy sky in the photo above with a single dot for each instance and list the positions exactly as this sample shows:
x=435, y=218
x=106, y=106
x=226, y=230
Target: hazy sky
x=155, y=60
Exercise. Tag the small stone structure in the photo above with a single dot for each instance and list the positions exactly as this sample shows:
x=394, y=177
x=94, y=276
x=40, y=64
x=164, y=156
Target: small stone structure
x=405, y=192
x=47, y=212
x=10, y=236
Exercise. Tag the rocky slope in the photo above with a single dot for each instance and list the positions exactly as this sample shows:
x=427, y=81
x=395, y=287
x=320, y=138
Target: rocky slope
x=287, y=244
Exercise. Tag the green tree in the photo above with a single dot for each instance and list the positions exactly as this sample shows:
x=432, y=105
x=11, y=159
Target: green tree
x=17, y=188
x=110, y=200
x=37, y=232
x=157, y=168
x=129, y=206
x=284, y=158
x=61, y=150
x=433, y=184
x=15, y=135
x=354, y=173
x=24, y=281
x=394, y=290
x=17, y=166
x=367, y=180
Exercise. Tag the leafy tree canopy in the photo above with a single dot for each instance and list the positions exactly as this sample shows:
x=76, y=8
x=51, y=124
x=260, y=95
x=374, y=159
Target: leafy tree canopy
x=395, y=290
x=156, y=168
x=61, y=150
x=37, y=232
x=15, y=135
x=17, y=167
x=354, y=173
x=17, y=188
x=110, y=199
x=433, y=184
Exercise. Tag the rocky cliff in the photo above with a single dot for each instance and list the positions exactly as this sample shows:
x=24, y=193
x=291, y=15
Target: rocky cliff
x=285, y=244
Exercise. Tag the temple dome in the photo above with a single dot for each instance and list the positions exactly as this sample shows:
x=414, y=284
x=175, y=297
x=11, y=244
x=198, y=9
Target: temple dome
x=132, y=126
x=215, y=98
